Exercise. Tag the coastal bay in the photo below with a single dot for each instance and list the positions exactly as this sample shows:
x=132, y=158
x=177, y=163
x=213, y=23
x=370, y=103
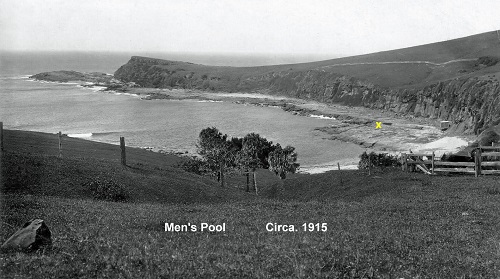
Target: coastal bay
x=168, y=126
x=346, y=123
x=357, y=125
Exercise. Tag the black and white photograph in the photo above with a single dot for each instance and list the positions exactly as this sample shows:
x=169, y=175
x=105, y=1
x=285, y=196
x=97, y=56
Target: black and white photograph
x=249, y=139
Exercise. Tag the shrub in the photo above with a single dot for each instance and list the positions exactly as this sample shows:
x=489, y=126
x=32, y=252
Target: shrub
x=194, y=165
x=106, y=189
x=379, y=160
x=488, y=60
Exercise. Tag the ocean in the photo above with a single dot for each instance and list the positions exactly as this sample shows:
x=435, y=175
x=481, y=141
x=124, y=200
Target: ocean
x=169, y=125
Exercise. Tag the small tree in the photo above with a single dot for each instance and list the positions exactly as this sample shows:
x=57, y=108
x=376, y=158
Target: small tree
x=214, y=148
x=253, y=155
x=248, y=154
x=283, y=161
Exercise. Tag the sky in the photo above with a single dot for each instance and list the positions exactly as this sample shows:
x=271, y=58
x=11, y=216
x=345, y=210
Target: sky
x=326, y=27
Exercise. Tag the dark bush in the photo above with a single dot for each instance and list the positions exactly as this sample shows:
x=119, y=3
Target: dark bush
x=194, y=165
x=488, y=60
x=379, y=160
x=106, y=189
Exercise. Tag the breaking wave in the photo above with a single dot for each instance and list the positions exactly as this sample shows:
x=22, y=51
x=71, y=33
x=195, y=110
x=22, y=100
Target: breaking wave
x=322, y=117
x=83, y=135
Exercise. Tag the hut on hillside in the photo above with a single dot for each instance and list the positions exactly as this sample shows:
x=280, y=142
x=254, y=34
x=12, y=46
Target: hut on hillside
x=445, y=125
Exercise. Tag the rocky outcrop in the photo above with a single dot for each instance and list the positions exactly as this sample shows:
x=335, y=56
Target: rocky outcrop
x=32, y=236
x=85, y=79
x=67, y=76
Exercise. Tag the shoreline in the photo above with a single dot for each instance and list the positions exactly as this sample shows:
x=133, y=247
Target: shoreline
x=355, y=125
x=347, y=124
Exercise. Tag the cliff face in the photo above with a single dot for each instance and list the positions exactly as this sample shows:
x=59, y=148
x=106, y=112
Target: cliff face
x=470, y=102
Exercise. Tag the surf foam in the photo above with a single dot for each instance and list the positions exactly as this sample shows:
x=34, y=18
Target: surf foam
x=84, y=135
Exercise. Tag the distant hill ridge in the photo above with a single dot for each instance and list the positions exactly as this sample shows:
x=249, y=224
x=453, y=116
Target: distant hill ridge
x=456, y=80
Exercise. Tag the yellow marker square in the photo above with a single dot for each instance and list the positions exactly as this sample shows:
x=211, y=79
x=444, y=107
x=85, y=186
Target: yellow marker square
x=378, y=125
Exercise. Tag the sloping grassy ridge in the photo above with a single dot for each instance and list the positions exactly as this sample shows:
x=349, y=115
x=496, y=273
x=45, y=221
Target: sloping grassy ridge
x=414, y=82
x=29, y=168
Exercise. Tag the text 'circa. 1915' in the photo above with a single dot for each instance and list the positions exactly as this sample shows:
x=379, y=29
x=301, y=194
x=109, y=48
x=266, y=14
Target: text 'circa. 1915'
x=307, y=227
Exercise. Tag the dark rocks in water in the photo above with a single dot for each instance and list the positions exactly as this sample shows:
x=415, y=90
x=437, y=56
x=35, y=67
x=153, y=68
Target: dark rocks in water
x=157, y=96
x=32, y=236
x=89, y=80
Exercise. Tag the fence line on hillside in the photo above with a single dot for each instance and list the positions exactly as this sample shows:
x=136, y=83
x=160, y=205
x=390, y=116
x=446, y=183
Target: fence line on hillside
x=123, y=154
x=59, y=136
x=413, y=161
x=425, y=162
x=1, y=136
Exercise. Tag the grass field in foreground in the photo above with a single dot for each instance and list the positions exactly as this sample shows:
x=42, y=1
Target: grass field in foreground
x=411, y=236
x=389, y=225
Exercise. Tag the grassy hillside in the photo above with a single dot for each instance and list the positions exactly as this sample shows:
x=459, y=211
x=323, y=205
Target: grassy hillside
x=388, y=225
x=31, y=166
x=456, y=80
x=425, y=64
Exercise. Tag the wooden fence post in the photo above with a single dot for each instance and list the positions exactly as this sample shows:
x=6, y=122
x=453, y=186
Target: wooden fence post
x=406, y=162
x=222, y=174
x=477, y=161
x=494, y=158
x=403, y=162
x=255, y=183
x=59, y=135
x=432, y=163
x=1, y=154
x=122, y=147
x=340, y=174
x=1, y=136
x=248, y=181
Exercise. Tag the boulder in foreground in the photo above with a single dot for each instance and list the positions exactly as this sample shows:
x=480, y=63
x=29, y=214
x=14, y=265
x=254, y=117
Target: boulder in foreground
x=32, y=236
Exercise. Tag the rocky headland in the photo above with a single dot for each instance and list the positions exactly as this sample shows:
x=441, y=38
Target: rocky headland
x=456, y=81
x=93, y=79
x=70, y=76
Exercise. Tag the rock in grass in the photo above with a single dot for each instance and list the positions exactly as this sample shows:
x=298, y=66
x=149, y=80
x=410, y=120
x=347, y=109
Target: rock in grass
x=32, y=236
